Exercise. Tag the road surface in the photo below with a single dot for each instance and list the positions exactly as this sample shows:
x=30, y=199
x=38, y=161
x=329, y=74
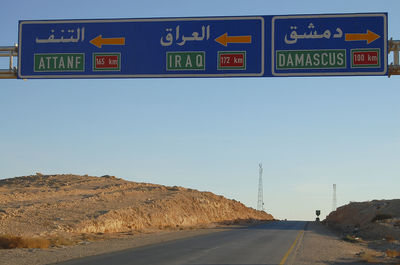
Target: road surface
x=266, y=244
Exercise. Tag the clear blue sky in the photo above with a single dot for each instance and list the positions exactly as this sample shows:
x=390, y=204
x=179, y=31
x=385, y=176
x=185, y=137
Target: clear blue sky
x=209, y=134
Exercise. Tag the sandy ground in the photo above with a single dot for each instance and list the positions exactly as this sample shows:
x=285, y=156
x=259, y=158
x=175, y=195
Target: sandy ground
x=320, y=246
x=58, y=254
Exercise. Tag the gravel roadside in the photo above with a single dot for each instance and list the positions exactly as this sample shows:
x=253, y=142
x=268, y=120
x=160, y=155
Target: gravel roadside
x=321, y=247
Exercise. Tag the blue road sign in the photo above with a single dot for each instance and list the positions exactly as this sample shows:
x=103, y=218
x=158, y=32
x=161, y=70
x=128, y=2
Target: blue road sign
x=315, y=45
x=174, y=47
x=256, y=46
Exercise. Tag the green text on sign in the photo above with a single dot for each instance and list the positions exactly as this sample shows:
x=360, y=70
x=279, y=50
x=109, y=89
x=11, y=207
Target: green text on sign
x=186, y=61
x=311, y=59
x=59, y=62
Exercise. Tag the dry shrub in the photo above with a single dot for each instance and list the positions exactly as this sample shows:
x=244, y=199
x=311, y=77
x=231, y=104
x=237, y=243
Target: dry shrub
x=368, y=258
x=390, y=238
x=88, y=237
x=7, y=241
x=61, y=241
x=381, y=216
x=351, y=239
x=391, y=253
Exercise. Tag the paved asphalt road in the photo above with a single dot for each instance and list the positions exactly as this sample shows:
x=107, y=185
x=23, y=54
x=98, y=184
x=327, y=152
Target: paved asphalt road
x=265, y=244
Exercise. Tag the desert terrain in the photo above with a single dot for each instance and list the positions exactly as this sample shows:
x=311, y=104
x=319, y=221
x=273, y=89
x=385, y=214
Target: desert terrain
x=45, y=219
x=71, y=207
x=375, y=219
x=374, y=224
x=52, y=218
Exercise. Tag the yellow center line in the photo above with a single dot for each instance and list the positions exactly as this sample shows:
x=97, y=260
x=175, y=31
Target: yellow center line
x=291, y=248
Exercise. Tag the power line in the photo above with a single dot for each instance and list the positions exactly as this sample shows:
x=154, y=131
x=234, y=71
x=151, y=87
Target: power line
x=260, y=202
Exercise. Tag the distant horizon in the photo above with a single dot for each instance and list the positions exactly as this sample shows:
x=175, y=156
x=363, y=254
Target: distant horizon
x=250, y=206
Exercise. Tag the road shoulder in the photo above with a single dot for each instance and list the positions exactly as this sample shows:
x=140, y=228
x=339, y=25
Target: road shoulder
x=320, y=246
x=84, y=249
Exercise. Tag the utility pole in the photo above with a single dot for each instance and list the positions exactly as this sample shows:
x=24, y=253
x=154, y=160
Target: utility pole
x=260, y=202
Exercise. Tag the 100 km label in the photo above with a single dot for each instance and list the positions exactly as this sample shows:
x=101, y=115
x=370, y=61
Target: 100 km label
x=365, y=58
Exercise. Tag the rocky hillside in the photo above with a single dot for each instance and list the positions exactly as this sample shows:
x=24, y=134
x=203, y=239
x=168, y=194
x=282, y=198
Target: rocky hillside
x=46, y=205
x=370, y=220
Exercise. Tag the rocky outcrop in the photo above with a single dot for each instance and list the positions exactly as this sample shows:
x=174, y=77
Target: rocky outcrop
x=54, y=204
x=372, y=219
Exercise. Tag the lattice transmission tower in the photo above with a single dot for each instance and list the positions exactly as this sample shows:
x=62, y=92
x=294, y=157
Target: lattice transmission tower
x=260, y=202
x=334, y=198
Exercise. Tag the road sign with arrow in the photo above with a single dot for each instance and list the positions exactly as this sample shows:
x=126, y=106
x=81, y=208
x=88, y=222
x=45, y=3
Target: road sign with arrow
x=159, y=47
x=255, y=46
x=323, y=45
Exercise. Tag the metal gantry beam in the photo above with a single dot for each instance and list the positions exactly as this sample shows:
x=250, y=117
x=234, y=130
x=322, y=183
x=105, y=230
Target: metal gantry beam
x=394, y=67
x=10, y=52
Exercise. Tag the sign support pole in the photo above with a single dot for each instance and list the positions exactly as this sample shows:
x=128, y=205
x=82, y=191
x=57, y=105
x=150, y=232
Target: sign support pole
x=394, y=67
x=10, y=52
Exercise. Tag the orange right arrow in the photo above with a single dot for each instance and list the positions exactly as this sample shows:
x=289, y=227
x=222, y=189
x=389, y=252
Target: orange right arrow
x=369, y=36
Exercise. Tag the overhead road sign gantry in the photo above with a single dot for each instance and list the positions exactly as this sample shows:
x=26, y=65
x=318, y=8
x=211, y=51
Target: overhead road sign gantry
x=253, y=46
